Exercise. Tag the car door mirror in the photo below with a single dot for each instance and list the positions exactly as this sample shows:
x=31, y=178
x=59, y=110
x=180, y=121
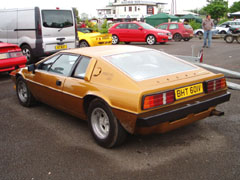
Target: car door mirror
x=140, y=28
x=31, y=68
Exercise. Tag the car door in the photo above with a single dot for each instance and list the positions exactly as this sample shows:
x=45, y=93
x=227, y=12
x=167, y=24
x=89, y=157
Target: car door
x=76, y=86
x=134, y=33
x=121, y=31
x=48, y=79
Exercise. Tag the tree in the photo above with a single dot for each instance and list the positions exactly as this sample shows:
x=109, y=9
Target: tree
x=217, y=8
x=235, y=7
x=75, y=11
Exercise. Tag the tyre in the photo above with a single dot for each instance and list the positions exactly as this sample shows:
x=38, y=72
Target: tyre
x=104, y=126
x=199, y=33
x=186, y=39
x=24, y=95
x=27, y=51
x=162, y=42
x=151, y=40
x=229, y=38
x=115, y=39
x=83, y=44
x=177, y=37
x=127, y=42
x=238, y=39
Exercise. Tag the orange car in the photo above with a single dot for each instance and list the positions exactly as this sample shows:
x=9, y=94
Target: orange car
x=120, y=89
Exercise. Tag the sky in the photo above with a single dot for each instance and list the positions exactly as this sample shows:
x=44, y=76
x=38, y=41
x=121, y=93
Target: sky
x=90, y=6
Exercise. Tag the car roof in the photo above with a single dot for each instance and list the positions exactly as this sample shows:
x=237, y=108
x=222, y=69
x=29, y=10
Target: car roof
x=100, y=51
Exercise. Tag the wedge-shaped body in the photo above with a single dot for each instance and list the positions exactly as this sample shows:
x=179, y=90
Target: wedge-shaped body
x=121, y=89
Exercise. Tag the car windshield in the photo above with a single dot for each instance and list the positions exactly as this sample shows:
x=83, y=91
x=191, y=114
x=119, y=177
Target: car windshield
x=57, y=18
x=146, y=26
x=148, y=64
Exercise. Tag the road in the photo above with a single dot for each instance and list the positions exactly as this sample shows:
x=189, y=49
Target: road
x=41, y=143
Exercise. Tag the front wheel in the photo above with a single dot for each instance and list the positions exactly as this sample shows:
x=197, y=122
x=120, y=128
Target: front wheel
x=115, y=39
x=24, y=95
x=151, y=40
x=186, y=39
x=229, y=38
x=238, y=39
x=104, y=126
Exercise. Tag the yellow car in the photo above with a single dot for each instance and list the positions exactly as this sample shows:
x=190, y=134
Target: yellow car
x=122, y=89
x=88, y=38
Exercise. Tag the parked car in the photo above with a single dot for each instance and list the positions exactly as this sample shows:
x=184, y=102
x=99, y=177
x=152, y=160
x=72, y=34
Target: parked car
x=224, y=27
x=88, y=38
x=179, y=30
x=199, y=32
x=138, y=32
x=11, y=57
x=120, y=89
x=38, y=31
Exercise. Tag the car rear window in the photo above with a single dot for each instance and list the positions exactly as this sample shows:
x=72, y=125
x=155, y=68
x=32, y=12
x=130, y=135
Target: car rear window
x=148, y=64
x=187, y=26
x=57, y=18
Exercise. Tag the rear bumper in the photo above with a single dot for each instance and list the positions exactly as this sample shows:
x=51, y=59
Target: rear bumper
x=12, y=63
x=182, y=112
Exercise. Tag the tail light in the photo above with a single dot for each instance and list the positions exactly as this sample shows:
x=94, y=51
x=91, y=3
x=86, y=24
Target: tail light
x=39, y=29
x=3, y=55
x=216, y=84
x=15, y=54
x=152, y=101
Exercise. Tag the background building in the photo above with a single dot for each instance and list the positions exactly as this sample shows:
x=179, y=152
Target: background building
x=127, y=10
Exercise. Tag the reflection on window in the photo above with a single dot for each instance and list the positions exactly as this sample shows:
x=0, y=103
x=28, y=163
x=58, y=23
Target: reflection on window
x=148, y=64
x=57, y=18
x=47, y=64
x=133, y=26
x=173, y=26
x=163, y=26
x=82, y=67
x=64, y=64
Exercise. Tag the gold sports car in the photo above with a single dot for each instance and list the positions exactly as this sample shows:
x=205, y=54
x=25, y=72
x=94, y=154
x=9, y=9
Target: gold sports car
x=122, y=89
x=88, y=38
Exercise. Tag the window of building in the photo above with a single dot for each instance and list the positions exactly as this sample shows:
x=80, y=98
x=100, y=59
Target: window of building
x=130, y=8
x=125, y=9
x=114, y=11
x=135, y=8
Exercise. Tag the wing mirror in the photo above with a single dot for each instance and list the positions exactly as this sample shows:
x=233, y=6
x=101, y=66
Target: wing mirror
x=140, y=28
x=31, y=68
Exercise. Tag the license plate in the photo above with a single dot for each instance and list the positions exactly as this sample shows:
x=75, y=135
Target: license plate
x=61, y=46
x=188, y=91
x=105, y=37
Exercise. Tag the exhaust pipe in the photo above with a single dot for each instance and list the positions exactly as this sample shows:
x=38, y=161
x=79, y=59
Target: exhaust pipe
x=217, y=113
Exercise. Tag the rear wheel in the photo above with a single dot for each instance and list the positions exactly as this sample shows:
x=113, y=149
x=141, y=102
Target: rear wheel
x=151, y=40
x=27, y=51
x=199, y=33
x=229, y=38
x=24, y=95
x=223, y=32
x=177, y=37
x=104, y=126
x=83, y=44
x=115, y=39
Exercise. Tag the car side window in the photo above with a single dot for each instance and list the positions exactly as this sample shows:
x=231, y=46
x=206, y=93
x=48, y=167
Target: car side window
x=48, y=63
x=122, y=26
x=173, y=26
x=81, y=68
x=133, y=26
x=164, y=26
x=64, y=64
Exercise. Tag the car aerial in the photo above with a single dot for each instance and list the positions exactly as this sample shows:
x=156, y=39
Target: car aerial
x=11, y=57
x=138, y=32
x=122, y=89
x=87, y=38
x=179, y=30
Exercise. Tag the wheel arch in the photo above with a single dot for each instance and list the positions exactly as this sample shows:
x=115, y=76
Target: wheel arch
x=84, y=40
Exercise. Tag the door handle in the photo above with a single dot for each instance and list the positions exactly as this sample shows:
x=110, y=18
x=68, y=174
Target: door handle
x=58, y=83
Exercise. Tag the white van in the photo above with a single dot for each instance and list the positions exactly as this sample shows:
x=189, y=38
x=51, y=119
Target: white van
x=38, y=31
